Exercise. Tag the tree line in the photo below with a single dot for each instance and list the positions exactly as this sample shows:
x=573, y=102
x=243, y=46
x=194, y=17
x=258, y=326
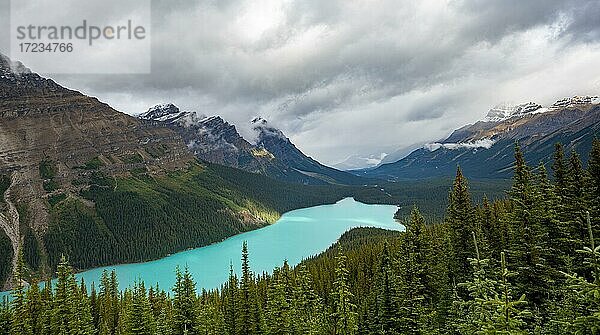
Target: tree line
x=528, y=264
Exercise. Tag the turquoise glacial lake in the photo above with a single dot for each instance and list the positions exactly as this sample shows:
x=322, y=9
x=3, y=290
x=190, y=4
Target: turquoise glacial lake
x=297, y=235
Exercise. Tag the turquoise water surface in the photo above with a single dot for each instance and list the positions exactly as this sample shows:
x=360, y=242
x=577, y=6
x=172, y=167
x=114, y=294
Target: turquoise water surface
x=295, y=236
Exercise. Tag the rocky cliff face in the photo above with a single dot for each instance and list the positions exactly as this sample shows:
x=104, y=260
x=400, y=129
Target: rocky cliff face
x=53, y=140
x=274, y=141
x=485, y=149
x=215, y=140
x=211, y=138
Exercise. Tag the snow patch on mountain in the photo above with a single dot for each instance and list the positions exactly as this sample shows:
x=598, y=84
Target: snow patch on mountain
x=574, y=101
x=484, y=143
x=506, y=111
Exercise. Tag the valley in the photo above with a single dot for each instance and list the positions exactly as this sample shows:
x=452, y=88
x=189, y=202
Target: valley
x=300, y=168
x=297, y=235
x=84, y=181
x=90, y=195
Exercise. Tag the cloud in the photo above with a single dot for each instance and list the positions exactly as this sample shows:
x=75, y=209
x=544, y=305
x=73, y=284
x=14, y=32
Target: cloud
x=484, y=143
x=359, y=77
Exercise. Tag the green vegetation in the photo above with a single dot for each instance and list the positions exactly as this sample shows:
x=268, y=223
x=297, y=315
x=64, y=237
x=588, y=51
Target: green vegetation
x=430, y=195
x=6, y=255
x=56, y=198
x=502, y=267
x=31, y=250
x=93, y=164
x=47, y=169
x=48, y=172
x=140, y=218
x=156, y=151
x=133, y=159
x=50, y=185
x=4, y=185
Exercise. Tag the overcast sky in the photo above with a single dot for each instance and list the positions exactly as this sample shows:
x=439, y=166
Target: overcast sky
x=344, y=77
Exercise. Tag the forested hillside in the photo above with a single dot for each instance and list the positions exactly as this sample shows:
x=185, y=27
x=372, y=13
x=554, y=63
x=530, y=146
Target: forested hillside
x=143, y=217
x=524, y=265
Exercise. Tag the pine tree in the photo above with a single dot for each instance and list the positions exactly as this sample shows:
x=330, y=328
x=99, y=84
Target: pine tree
x=61, y=312
x=386, y=299
x=142, y=319
x=492, y=233
x=576, y=207
x=547, y=203
x=528, y=235
x=247, y=313
x=308, y=308
x=559, y=168
x=108, y=304
x=5, y=317
x=230, y=304
x=588, y=290
x=163, y=313
x=83, y=322
x=490, y=308
x=48, y=303
x=461, y=220
x=475, y=313
x=510, y=314
x=20, y=324
x=594, y=192
x=210, y=318
x=35, y=308
x=344, y=317
x=414, y=314
x=124, y=324
x=279, y=309
x=70, y=311
x=184, y=303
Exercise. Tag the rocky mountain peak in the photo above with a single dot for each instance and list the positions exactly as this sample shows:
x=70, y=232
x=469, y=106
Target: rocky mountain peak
x=165, y=113
x=506, y=111
x=266, y=132
x=17, y=81
x=8, y=66
x=259, y=121
x=574, y=102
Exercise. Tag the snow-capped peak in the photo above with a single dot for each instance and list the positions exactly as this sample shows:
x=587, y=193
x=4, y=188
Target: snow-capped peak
x=574, y=101
x=506, y=111
x=161, y=112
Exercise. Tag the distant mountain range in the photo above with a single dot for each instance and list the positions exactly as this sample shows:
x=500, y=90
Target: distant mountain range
x=214, y=140
x=485, y=149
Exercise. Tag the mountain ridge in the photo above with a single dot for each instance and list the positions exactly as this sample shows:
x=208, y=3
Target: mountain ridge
x=215, y=140
x=484, y=149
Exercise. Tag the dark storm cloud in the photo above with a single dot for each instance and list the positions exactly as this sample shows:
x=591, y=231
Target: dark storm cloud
x=585, y=22
x=397, y=72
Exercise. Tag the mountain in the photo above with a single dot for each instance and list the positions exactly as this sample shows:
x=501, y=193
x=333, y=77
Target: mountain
x=214, y=140
x=356, y=162
x=210, y=138
x=485, y=149
x=80, y=179
x=274, y=141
